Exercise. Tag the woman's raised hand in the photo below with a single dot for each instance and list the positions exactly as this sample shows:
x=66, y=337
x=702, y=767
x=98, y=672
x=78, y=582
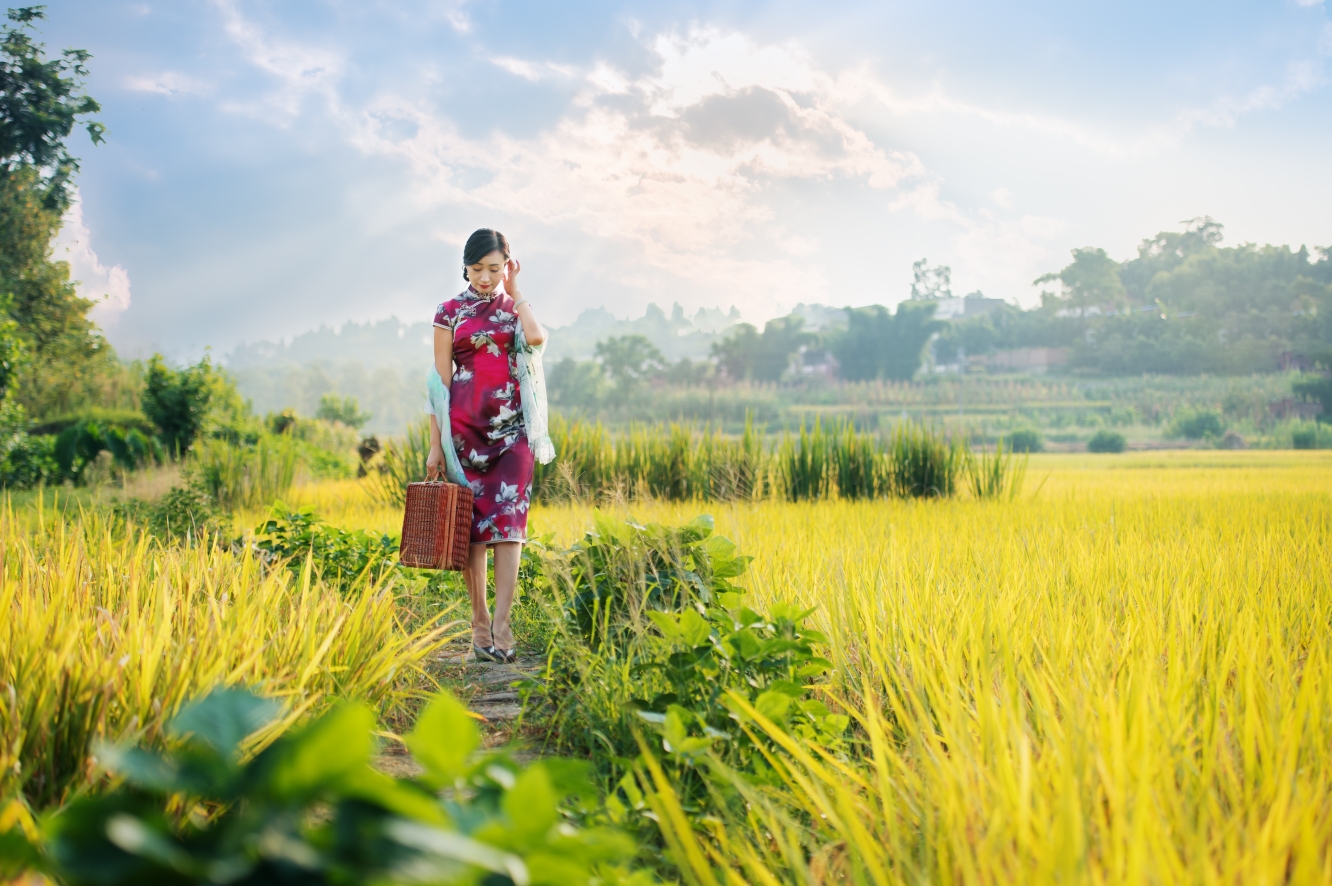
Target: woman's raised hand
x=511, y=269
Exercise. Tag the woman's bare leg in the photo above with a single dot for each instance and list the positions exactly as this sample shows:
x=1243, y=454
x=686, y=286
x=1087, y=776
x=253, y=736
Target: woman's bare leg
x=507, y=556
x=475, y=577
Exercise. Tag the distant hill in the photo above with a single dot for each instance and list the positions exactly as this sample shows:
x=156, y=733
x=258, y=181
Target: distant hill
x=383, y=363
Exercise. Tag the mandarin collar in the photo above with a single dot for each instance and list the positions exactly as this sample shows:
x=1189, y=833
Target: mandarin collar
x=470, y=292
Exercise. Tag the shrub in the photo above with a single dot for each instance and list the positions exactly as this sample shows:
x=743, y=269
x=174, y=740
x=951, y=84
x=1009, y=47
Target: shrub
x=1197, y=424
x=652, y=633
x=79, y=445
x=184, y=513
x=1305, y=438
x=27, y=461
x=1106, y=440
x=125, y=419
x=1026, y=440
x=339, y=556
x=311, y=809
x=177, y=401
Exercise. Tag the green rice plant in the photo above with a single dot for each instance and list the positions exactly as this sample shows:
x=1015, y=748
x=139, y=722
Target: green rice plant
x=995, y=475
x=105, y=634
x=923, y=463
x=858, y=464
x=803, y=464
x=240, y=476
x=404, y=462
x=676, y=462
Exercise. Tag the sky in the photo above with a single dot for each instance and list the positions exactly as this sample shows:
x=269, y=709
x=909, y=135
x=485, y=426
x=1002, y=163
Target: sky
x=271, y=167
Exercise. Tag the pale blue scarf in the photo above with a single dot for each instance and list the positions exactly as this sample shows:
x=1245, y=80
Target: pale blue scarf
x=532, y=388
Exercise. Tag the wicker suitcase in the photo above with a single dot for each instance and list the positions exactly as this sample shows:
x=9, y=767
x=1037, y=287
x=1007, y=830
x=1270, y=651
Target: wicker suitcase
x=436, y=526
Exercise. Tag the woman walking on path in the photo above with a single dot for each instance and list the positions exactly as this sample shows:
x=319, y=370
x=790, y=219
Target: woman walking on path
x=487, y=350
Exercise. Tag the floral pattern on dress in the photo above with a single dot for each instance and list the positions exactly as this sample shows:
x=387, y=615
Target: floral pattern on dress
x=486, y=414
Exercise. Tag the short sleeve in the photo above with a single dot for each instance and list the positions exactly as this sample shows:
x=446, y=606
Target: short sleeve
x=446, y=314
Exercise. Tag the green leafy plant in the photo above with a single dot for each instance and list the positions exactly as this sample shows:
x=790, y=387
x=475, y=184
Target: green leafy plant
x=184, y=513
x=78, y=445
x=310, y=809
x=1106, y=440
x=652, y=634
x=341, y=557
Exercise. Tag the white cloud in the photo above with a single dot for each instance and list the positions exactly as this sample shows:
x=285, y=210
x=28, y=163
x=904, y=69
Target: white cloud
x=108, y=287
x=299, y=70
x=169, y=83
x=686, y=165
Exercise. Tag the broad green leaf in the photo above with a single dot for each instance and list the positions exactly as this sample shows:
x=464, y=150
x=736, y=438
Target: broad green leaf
x=773, y=705
x=400, y=798
x=693, y=629
x=673, y=729
x=443, y=740
x=223, y=718
x=531, y=804
x=333, y=746
x=787, y=688
x=666, y=623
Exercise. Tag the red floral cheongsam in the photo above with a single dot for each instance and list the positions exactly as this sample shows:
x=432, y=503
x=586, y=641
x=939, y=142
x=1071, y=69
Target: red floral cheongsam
x=486, y=414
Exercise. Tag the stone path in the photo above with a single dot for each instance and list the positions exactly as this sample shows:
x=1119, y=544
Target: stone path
x=487, y=687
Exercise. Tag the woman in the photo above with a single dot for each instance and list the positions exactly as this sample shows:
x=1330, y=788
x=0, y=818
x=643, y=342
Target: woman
x=484, y=338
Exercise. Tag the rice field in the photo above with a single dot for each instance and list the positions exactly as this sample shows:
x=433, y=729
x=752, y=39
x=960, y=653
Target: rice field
x=1121, y=675
x=1124, y=675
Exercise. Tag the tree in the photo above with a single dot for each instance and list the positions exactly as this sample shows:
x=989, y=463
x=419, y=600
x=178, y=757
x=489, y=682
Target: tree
x=630, y=359
x=747, y=354
x=1090, y=281
x=177, y=401
x=877, y=344
x=735, y=354
x=576, y=384
x=342, y=409
x=40, y=101
x=931, y=282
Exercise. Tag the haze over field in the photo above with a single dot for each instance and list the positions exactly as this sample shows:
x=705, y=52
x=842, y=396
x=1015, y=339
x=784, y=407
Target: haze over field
x=272, y=169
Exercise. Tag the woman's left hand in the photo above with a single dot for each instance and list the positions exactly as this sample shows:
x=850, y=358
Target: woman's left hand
x=511, y=269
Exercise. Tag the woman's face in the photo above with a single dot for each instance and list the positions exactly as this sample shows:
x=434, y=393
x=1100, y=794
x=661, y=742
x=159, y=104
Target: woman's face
x=487, y=274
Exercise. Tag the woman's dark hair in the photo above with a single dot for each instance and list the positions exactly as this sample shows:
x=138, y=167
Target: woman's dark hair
x=481, y=244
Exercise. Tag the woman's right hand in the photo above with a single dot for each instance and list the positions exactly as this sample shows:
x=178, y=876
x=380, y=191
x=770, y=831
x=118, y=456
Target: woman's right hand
x=435, y=462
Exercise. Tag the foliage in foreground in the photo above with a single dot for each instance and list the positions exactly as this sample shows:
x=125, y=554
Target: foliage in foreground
x=310, y=809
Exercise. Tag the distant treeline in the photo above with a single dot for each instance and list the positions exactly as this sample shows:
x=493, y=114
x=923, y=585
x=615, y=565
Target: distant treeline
x=1185, y=305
